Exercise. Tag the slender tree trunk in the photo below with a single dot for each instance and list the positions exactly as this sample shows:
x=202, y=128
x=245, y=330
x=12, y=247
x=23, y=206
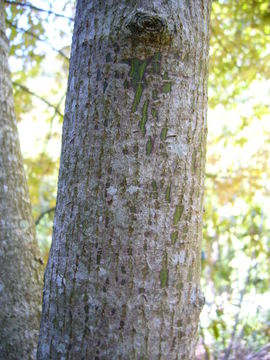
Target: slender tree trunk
x=20, y=268
x=122, y=281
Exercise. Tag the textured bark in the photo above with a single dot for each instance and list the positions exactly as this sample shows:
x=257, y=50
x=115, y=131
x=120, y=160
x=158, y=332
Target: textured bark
x=20, y=268
x=122, y=281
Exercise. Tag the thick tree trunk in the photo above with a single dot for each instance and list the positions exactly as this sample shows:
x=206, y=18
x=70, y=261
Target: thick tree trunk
x=123, y=276
x=20, y=270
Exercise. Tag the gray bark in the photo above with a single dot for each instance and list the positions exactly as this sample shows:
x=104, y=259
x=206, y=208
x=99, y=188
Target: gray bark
x=20, y=267
x=122, y=281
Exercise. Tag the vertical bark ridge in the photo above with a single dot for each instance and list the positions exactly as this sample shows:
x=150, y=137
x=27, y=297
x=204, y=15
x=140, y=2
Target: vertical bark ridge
x=20, y=261
x=122, y=279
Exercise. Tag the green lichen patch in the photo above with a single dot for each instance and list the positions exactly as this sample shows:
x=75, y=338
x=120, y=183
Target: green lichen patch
x=137, y=71
x=177, y=214
x=132, y=209
x=154, y=113
x=145, y=271
x=130, y=230
x=167, y=85
x=107, y=69
x=174, y=236
x=168, y=194
x=141, y=69
x=185, y=230
x=163, y=133
x=163, y=276
x=179, y=286
x=154, y=185
x=156, y=63
x=155, y=94
x=166, y=88
x=145, y=246
x=144, y=117
x=166, y=76
x=155, y=189
x=106, y=112
x=149, y=146
x=137, y=97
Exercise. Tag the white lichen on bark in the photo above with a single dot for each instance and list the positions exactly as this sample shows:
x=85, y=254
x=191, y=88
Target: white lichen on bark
x=20, y=267
x=122, y=281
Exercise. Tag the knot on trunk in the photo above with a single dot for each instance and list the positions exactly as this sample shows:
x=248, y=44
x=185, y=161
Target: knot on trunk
x=147, y=26
x=142, y=23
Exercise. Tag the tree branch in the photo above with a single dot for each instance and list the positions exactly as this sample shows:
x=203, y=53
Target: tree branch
x=49, y=135
x=50, y=12
x=237, y=316
x=24, y=88
x=37, y=37
x=264, y=351
x=40, y=217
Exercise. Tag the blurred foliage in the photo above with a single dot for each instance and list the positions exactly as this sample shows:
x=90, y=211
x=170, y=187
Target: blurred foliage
x=236, y=243
x=23, y=47
x=26, y=31
x=240, y=33
x=236, y=236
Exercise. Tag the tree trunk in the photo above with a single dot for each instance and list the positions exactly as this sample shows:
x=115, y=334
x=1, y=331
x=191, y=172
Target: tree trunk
x=20, y=268
x=122, y=281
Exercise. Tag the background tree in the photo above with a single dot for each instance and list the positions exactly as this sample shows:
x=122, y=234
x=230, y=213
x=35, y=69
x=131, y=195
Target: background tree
x=124, y=269
x=39, y=36
x=20, y=266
